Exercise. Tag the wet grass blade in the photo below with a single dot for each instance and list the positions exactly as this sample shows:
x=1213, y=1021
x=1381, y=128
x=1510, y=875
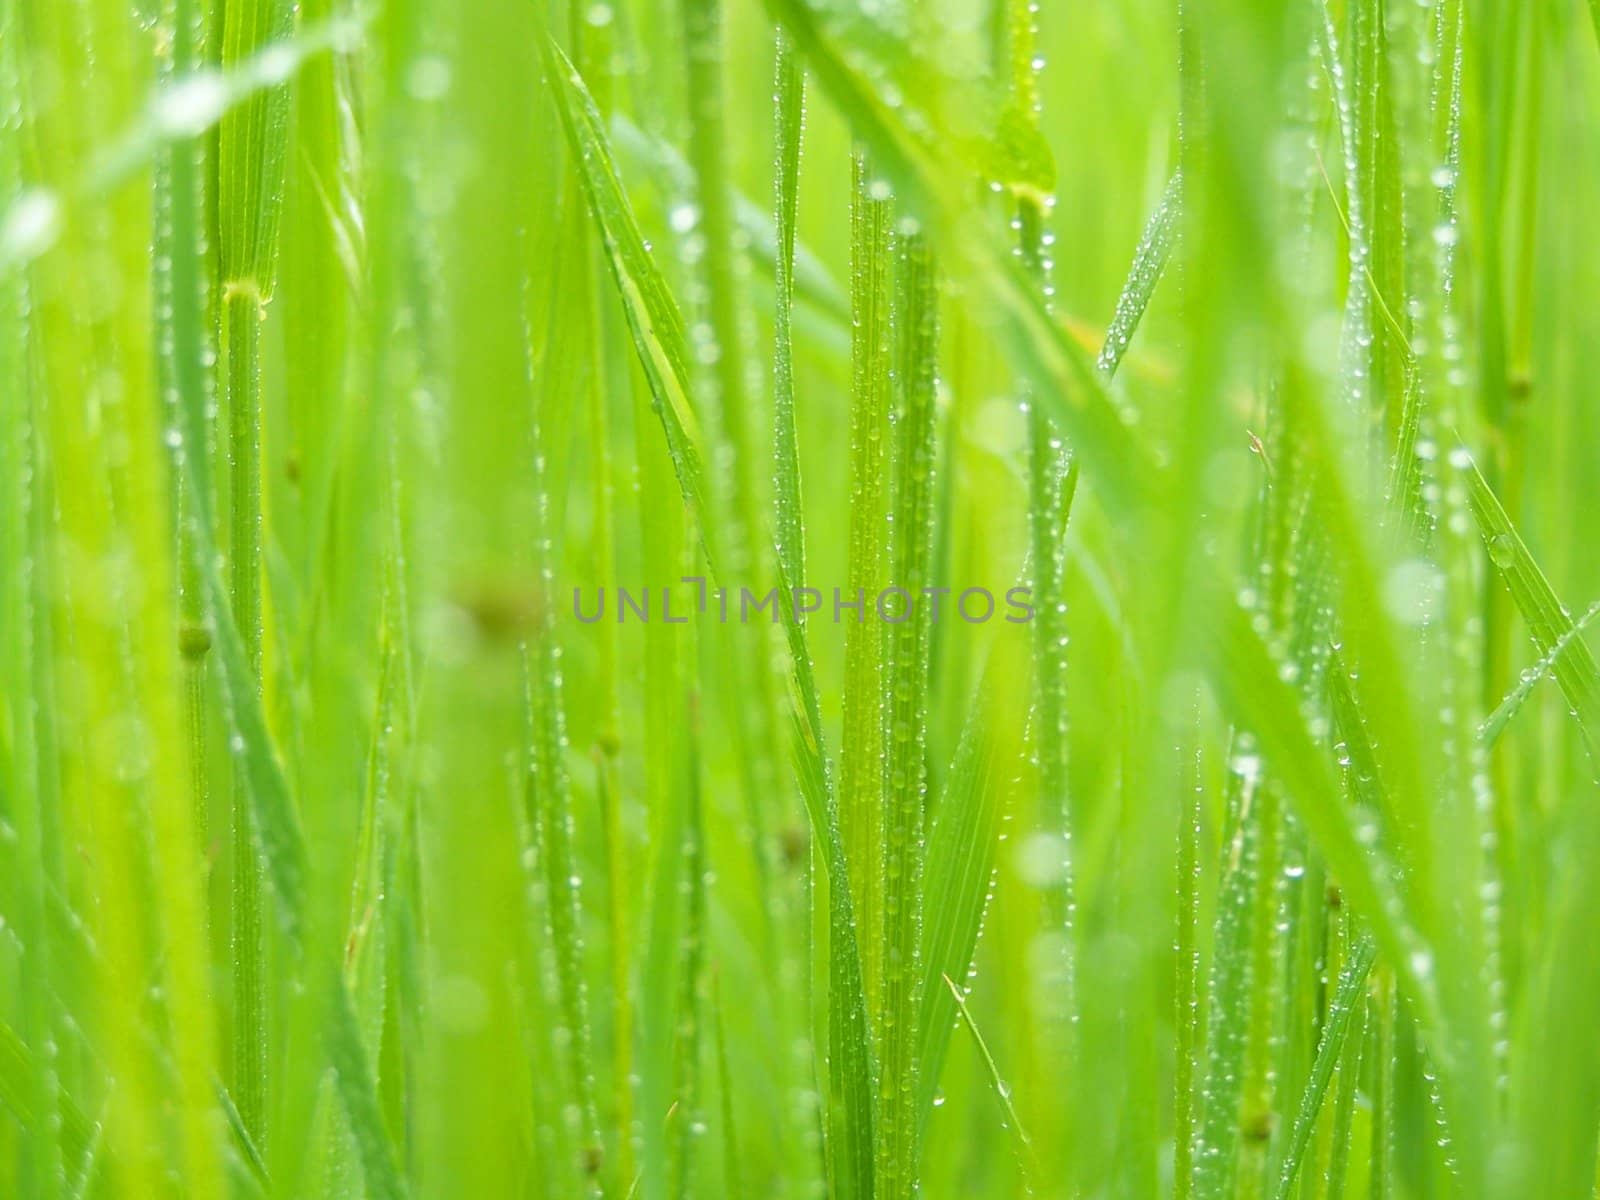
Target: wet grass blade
x=653, y=315
x=1186, y=997
x=1149, y=264
x=1002, y=1090
x=1347, y=1003
x=963, y=843
x=1228, y=1005
x=848, y=1114
x=906, y=714
x=17, y=1074
x=1574, y=667
x=862, y=797
x=1495, y=723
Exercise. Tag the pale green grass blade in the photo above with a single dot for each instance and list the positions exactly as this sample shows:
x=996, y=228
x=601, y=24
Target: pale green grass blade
x=32, y=1083
x=607, y=396
x=250, y=1152
x=788, y=502
x=1002, y=1090
x=354, y=1076
x=731, y=1171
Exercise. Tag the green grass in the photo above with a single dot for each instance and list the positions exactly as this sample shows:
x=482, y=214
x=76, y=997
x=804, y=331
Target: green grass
x=341, y=344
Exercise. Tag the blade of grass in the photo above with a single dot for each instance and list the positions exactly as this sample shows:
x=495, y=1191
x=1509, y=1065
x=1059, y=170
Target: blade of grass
x=1547, y=620
x=1495, y=723
x=1381, y=1160
x=256, y=762
x=1346, y=1003
x=813, y=283
x=1228, y=1006
x=849, y=1112
x=1149, y=264
x=653, y=315
x=862, y=798
x=250, y=172
x=1023, y=1145
x=31, y=1082
x=549, y=800
x=906, y=713
x=1186, y=995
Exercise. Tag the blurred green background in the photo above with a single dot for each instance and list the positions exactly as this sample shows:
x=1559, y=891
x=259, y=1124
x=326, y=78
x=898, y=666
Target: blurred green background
x=341, y=343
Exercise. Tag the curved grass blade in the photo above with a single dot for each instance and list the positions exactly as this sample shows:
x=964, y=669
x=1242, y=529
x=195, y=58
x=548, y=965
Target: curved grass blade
x=653, y=315
x=811, y=282
x=353, y=1074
